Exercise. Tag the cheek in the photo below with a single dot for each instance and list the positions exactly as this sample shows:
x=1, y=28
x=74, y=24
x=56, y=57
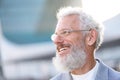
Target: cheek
x=75, y=41
x=79, y=42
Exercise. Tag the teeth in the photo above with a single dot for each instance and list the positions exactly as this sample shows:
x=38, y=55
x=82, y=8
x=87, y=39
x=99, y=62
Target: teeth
x=62, y=49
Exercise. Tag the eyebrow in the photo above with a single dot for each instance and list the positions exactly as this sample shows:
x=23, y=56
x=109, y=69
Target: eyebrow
x=62, y=30
x=70, y=28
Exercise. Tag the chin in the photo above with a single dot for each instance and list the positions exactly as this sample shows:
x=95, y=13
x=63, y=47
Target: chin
x=73, y=60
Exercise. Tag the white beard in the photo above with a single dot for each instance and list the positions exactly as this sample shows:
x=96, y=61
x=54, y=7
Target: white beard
x=71, y=61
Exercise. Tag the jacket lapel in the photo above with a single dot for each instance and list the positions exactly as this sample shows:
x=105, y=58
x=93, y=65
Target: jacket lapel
x=102, y=73
x=67, y=76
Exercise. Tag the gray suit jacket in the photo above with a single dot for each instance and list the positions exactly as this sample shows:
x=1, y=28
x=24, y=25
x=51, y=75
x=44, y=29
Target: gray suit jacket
x=104, y=73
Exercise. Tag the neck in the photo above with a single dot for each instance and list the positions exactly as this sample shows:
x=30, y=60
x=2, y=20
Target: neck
x=86, y=68
x=90, y=62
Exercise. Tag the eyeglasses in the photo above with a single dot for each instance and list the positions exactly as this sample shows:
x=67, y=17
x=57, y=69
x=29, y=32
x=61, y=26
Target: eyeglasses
x=65, y=33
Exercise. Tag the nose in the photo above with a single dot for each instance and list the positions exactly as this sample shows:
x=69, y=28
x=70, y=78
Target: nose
x=56, y=38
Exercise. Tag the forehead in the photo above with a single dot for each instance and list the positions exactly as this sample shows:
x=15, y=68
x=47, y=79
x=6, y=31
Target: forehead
x=68, y=22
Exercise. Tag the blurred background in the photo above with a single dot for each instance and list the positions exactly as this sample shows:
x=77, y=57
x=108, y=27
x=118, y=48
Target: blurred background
x=26, y=50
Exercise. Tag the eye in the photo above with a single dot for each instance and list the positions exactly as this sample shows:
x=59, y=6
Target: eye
x=65, y=32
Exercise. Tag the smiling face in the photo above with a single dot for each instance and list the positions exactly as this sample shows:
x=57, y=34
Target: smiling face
x=69, y=48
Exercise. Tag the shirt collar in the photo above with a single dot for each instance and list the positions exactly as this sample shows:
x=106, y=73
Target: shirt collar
x=89, y=75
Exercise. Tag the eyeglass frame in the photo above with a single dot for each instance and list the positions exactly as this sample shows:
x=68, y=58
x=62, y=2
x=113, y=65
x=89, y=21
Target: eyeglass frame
x=65, y=33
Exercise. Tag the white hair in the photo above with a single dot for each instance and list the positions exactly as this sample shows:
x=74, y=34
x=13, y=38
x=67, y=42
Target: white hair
x=86, y=21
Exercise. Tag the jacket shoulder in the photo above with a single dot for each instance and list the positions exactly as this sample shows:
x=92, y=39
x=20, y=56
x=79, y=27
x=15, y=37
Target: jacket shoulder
x=62, y=76
x=58, y=76
x=114, y=75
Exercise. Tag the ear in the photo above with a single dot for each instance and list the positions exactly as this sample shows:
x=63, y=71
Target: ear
x=91, y=37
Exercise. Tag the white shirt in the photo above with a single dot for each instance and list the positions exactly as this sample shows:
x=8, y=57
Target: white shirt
x=89, y=75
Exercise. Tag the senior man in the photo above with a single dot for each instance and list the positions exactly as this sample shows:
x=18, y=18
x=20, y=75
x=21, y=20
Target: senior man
x=77, y=37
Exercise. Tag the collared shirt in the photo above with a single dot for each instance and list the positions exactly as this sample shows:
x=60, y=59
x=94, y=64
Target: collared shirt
x=89, y=75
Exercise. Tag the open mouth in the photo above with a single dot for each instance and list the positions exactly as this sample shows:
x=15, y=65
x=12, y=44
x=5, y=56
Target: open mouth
x=63, y=47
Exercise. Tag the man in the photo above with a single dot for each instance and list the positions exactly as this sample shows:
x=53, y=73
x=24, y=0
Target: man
x=77, y=37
